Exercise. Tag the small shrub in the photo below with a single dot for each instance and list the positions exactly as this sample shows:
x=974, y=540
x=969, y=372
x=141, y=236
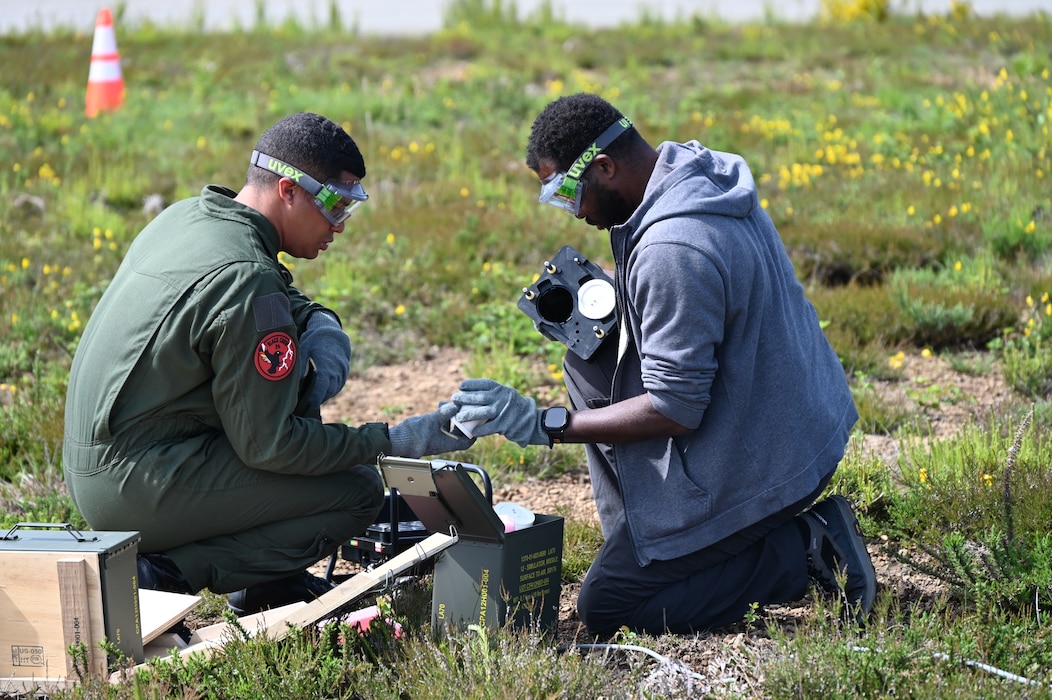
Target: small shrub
x=31, y=426
x=581, y=542
x=876, y=414
x=964, y=305
x=1018, y=236
x=865, y=254
x=860, y=323
x=867, y=481
x=992, y=573
x=1026, y=362
x=967, y=484
x=1027, y=366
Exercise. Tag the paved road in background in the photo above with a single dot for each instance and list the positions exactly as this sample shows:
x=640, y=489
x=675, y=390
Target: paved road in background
x=423, y=16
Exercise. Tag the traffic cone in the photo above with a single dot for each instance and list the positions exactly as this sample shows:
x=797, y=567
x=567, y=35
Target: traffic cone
x=105, y=82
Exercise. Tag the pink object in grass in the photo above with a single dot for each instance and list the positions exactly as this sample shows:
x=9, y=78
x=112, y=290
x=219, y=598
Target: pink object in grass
x=362, y=618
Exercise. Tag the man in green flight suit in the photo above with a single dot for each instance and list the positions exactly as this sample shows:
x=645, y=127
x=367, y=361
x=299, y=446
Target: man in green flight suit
x=193, y=402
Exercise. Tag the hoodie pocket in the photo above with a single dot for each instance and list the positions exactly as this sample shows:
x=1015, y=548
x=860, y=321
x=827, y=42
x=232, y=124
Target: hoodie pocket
x=663, y=499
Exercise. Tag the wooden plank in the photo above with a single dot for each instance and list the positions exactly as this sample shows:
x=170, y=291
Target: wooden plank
x=250, y=623
x=73, y=602
x=162, y=645
x=160, y=610
x=358, y=585
x=207, y=639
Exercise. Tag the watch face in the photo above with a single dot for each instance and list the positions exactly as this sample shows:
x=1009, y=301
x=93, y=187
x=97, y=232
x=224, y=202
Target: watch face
x=555, y=420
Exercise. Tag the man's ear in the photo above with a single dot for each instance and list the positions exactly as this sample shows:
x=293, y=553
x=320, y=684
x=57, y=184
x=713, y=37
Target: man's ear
x=604, y=166
x=286, y=189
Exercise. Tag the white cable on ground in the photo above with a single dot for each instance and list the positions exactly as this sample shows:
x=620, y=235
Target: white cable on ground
x=664, y=660
x=676, y=666
x=974, y=664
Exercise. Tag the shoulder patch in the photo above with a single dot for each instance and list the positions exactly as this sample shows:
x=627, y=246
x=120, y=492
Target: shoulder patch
x=275, y=356
x=271, y=311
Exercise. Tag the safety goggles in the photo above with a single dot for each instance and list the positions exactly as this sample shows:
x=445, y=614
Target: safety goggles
x=565, y=190
x=335, y=200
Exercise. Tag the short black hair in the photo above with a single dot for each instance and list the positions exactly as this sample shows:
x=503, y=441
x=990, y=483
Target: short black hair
x=312, y=143
x=569, y=125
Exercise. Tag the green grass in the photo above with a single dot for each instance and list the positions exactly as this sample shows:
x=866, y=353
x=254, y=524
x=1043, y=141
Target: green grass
x=905, y=161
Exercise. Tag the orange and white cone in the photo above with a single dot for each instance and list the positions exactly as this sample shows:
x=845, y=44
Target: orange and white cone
x=105, y=82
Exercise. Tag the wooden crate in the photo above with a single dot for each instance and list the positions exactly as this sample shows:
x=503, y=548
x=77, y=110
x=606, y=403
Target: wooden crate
x=61, y=587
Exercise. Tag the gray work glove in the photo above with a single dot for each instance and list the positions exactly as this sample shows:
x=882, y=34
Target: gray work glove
x=428, y=434
x=505, y=411
x=325, y=342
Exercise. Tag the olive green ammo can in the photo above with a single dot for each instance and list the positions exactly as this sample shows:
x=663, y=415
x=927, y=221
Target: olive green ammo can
x=489, y=576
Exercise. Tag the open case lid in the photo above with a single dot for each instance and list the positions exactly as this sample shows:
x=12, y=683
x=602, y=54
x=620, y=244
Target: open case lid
x=443, y=496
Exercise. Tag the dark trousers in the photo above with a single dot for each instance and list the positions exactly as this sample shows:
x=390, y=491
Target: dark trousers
x=764, y=563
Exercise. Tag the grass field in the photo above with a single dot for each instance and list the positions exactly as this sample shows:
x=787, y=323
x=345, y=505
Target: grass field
x=905, y=159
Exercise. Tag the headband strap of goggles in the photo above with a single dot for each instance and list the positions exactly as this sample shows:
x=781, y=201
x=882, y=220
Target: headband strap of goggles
x=322, y=193
x=280, y=167
x=574, y=173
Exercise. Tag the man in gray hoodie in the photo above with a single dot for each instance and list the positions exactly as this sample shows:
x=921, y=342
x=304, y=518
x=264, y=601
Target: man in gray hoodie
x=716, y=414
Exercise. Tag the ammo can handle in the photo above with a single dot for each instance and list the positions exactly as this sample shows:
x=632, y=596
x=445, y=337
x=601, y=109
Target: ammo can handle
x=485, y=479
x=73, y=532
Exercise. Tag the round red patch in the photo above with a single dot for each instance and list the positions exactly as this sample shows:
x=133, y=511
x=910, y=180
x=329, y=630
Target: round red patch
x=276, y=356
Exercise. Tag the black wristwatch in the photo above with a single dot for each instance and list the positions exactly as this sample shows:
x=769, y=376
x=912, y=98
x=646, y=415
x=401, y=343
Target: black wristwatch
x=554, y=421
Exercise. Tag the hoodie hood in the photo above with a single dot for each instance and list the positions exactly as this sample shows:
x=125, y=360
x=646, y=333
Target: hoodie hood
x=690, y=179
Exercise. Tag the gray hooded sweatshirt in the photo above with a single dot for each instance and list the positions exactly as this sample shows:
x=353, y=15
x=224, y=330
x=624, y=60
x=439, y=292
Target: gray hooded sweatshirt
x=716, y=330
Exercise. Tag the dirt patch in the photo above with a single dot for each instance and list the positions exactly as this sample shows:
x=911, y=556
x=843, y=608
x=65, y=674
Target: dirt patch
x=392, y=393
x=730, y=660
x=944, y=398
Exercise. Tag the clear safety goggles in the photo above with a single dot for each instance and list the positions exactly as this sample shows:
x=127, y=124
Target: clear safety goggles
x=562, y=191
x=565, y=190
x=335, y=200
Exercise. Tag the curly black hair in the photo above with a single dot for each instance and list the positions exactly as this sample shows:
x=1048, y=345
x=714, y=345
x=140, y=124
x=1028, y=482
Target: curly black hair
x=311, y=142
x=567, y=126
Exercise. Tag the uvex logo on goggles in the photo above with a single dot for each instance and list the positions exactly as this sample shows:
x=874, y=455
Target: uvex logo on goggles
x=284, y=169
x=335, y=200
x=566, y=189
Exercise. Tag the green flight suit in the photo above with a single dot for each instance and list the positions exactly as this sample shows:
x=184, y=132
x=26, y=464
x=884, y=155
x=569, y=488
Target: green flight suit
x=180, y=412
